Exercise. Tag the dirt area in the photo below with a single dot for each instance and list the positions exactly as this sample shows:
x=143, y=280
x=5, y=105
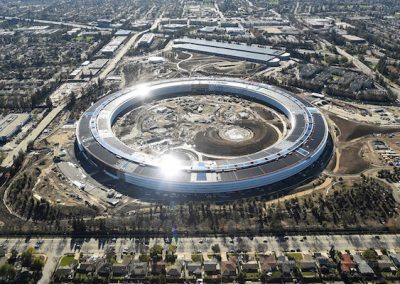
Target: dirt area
x=220, y=125
x=351, y=159
x=210, y=142
x=350, y=130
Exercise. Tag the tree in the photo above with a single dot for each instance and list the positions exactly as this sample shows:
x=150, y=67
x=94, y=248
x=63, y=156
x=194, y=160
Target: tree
x=26, y=257
x=370, y=254
x=216, y=249
x=264, y=277
x=49, y=104
x=162, y=279
x=29, y=147
x=7, y=272
x=241, y=277
x=155, y=251
x=71, y=100
x=37, y=264
x=14, y=254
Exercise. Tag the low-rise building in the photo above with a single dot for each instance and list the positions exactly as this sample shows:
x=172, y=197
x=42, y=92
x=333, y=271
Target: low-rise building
x=138, y=269
x=12, y=124
x=228, y=269
x=146, y=40
x=250, y=266
x=346, y=264
x=363, y=267
x=268, y=263
x=194, y=269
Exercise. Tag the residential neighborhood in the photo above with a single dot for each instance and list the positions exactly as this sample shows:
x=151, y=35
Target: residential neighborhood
x=164, y=264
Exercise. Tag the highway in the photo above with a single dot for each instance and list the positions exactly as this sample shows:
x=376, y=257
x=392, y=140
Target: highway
x=68, y=24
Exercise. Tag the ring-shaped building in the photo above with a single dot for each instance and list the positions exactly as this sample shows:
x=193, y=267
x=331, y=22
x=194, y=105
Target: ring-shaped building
x=302, y=145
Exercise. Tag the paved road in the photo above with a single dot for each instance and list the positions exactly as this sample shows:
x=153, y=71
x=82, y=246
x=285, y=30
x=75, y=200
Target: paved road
x=56, y=247
x=8, y=161
x=221, y=15
x=68, y=24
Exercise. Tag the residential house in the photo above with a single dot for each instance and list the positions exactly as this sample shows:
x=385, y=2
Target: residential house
x=119, y=270
x=386, y=265
x=307, y=264
x=86, y=267
x=287, y=266
x=228, y=269
x=138, y=269
x=104, y=270
x=326, y=266
x=268, y=263
x=63, y=273
x=250, y=266
x=211, y=267
x=158, y=268
x=363, y=267
x=174, y=271
x=395, y=259
x=346, y=264
x=194, y=269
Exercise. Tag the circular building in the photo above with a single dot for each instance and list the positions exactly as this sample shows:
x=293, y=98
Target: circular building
x=201, y=135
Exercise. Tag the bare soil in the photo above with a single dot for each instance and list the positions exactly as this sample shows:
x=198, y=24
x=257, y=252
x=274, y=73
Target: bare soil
x=351, y=160
x=351, y=130
x=209, y=142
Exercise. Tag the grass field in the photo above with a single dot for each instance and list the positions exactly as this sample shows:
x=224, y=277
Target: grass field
x=66, y=260
x=297, y=256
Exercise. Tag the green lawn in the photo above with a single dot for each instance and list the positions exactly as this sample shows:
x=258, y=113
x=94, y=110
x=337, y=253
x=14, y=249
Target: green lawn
x=388, y=275
x=297, y=256
x=81, y=38
x=309, y=274
x=66, y=260
x=252, y=276
x=276, y=274
x=81, y=277
x=197, y=257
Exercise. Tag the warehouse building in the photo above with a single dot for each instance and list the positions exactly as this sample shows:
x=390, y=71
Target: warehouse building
x=146, y=40
x=256, y=54
x=110, y=48
x=12, y=124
